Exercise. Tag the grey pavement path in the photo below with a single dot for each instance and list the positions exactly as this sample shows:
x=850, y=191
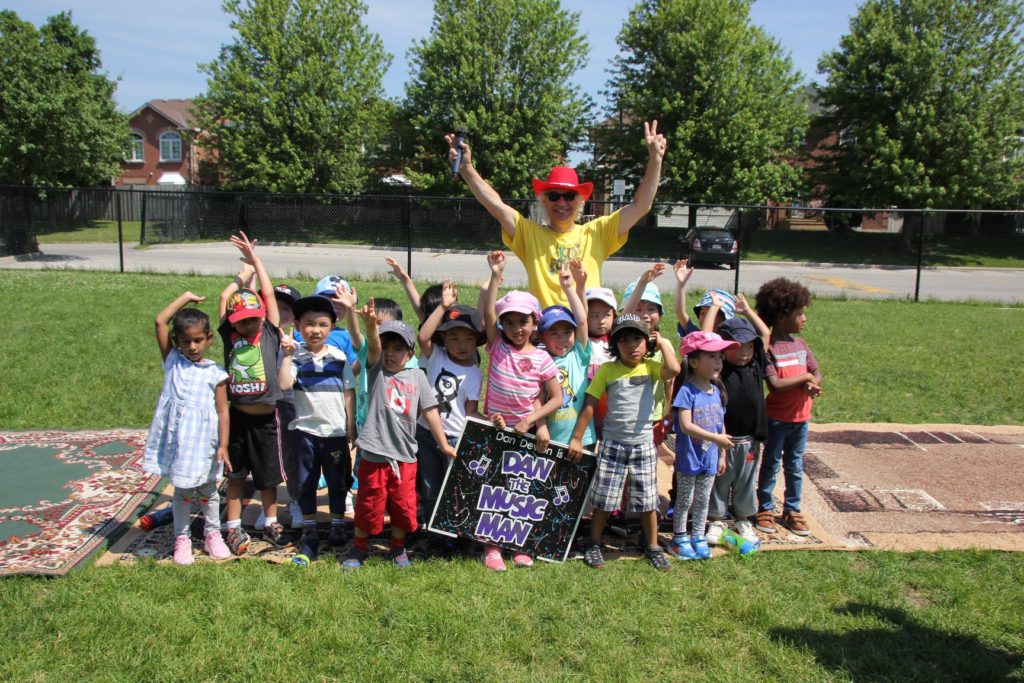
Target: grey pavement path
x=1004, y=285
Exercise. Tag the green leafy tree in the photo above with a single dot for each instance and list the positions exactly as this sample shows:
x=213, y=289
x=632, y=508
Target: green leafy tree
x=59, y=125
x=502, y=68
x=294, y=102
x=723, y=92
x=927, y=97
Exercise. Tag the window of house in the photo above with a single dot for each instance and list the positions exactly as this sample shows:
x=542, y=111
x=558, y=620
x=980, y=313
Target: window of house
x=137, y=148
x=170, y=146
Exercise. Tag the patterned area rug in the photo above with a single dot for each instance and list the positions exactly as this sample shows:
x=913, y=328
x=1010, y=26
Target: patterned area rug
x=65, y=494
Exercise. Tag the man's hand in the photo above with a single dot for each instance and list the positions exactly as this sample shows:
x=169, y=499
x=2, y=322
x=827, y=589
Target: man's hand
x=467, y=155
x=655, y=141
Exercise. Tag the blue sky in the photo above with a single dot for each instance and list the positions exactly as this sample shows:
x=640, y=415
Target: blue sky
x=154, y=46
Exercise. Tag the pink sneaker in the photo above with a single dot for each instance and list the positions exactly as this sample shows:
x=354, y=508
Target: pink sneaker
x=214, y=546
x=522, y=560
x=492, y=558
x=183, y=549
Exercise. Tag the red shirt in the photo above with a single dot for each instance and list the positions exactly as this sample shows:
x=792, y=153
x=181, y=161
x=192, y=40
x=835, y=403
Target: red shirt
x=788, y=359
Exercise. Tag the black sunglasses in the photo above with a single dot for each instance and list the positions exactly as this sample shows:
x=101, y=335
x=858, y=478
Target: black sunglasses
x=567, y=196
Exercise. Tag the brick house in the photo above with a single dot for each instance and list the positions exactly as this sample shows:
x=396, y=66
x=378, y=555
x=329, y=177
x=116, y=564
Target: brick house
x=162, y=151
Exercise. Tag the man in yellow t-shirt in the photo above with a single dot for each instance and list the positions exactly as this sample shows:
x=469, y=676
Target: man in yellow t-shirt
x=544, y=249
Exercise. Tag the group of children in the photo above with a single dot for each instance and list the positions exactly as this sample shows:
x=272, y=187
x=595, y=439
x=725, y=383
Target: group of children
x=303, y=398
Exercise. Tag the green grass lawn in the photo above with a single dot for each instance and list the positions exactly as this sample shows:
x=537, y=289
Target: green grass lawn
x=91, y=231
x=79, y=353
x=786, y=616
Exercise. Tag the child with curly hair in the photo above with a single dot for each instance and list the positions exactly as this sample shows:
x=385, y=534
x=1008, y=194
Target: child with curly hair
x=794, y=381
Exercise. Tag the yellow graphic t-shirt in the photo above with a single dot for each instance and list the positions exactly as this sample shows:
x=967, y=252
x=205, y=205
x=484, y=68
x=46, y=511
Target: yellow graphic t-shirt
x=544, y=252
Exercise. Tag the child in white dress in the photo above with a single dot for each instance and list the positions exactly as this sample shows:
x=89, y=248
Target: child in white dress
x=188, y=439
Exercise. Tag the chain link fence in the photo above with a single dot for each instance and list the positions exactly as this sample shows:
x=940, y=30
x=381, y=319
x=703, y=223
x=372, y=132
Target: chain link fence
x=885, y=254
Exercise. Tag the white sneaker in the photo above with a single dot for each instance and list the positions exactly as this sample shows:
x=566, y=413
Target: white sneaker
x=296, y=514
x=261, y=521
x=746, y=530
x=715, y=530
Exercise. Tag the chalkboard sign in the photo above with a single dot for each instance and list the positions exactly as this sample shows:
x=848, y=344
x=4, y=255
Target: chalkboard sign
x=500, y=491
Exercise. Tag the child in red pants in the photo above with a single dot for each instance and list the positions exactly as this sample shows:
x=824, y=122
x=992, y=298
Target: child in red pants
x=387, y=469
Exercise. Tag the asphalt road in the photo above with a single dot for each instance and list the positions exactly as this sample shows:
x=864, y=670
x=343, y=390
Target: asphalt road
x=1004, y=285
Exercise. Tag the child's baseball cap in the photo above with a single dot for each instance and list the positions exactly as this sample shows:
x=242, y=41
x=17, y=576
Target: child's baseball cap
x=556, y=314
x=314, y=303
x=286, y=294
x=460, y=315
x=518, y=302
x=245, y=303
x=728, y=307
x=704, y=341
x=740, y=330
x=651, y=294
x=400, y=329
x=602, y=294
x=328, y=284
x=627, y=322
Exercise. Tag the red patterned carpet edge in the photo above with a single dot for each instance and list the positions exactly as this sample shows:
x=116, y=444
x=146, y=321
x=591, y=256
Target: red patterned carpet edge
x=101, y=492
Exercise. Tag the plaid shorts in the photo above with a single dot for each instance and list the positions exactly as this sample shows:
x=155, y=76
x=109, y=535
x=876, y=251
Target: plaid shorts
x=614, y=461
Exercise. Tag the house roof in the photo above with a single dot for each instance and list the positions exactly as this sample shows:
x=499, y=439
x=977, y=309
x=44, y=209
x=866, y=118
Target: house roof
x=178, y=112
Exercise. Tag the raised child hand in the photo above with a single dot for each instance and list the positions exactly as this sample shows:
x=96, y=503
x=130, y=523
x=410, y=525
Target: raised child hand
x=496, y=262
x=565, y=279
x=288, y=345
x=683, y=271
x=343, y=299
x=579, y=274
x=449, y=294
x=651, y=273
x=742, y=307
x=191, y=298
x=369, y=315
x=245, y=246
x=396, y=268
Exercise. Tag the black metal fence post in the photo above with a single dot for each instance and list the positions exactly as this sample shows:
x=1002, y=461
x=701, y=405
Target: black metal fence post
x=407, y=222
x=739, y=250
x=920, y=256
x=120, y=229
x=142, y=218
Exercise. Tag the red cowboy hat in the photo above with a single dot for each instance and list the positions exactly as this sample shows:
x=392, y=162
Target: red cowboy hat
x=562, y=178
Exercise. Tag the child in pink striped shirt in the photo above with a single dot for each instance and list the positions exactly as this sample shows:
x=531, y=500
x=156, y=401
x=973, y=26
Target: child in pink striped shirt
x=517, y=373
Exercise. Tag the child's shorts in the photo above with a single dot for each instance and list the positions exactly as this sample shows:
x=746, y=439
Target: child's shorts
x=614, y=461
x=254, y=446
x=381, y=487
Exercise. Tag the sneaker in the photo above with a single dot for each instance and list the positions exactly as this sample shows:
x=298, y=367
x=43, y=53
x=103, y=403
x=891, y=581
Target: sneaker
x=237, y=540
x=214, y=546
x=295, y=512
x=765, y=522
x=274, y=533
x=183, y=550
x=261, y=521
x=658, y=559
x=301, y=561
x=796, y=522
x=593, y=557
x=354, y=559
x=715, y=530
x=681, y=548
x=522, y=560
x=400, y=558
x=309, y=544
x=337, y=537
x=670, y=512
x=746, y=530
x=492, y=558
x=700, y=547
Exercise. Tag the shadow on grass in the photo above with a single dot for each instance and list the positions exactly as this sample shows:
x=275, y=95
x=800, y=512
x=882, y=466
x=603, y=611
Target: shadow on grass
x=903, y=650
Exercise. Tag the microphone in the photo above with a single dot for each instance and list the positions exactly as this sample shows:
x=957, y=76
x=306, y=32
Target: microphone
x=460, y=137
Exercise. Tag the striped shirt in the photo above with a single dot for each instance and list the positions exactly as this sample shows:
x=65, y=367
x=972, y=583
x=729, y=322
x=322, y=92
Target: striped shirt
x=789, y=359
x=320, y=385
x=515, y=379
